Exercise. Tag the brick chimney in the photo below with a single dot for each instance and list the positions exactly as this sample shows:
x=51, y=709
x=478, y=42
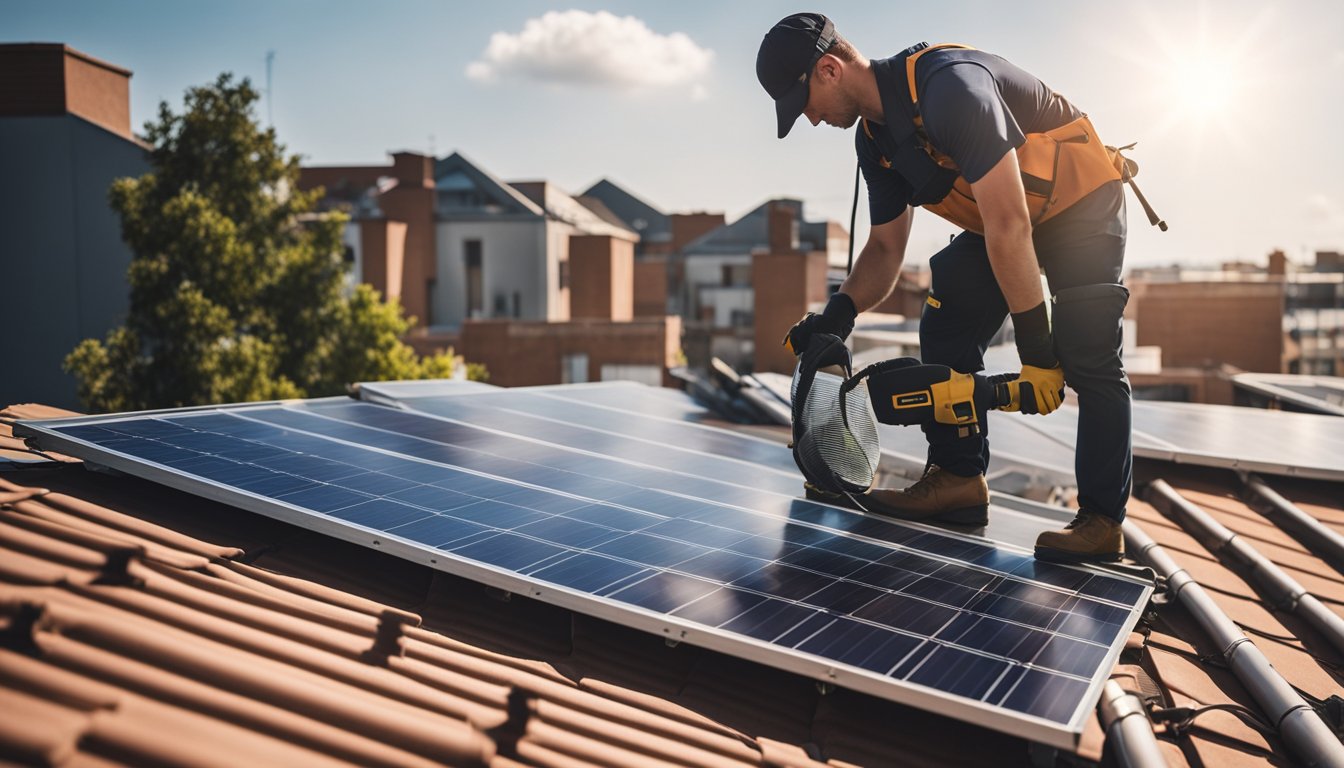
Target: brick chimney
x=412, y=201
x=1278, y=263
x=786, y=284
x=601, y=277
x=39, y=79
x=413, y=169
x=689, y=226
x=783, y=228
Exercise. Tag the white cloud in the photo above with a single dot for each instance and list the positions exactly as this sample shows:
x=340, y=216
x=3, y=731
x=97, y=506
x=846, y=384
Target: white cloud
x=592, y=49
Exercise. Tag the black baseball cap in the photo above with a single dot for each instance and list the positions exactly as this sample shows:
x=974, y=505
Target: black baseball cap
x=784, y=64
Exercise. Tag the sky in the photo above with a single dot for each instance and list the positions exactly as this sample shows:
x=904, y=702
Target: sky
x=1236, y=106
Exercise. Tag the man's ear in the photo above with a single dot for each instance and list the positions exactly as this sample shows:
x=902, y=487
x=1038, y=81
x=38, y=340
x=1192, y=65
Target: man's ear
x=829, y=68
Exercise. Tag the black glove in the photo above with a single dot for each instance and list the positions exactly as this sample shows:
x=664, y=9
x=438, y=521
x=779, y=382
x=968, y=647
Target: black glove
x=836, y=319
x=1040, y=387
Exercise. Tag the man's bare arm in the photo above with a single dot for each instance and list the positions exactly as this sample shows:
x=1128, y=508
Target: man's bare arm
x=879, y=263
x=1003, y=207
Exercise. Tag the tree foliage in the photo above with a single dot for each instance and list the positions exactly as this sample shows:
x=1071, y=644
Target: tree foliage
x=237, y=288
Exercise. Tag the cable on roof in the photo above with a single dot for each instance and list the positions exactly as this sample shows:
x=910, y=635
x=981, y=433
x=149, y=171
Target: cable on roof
x=1179, y=720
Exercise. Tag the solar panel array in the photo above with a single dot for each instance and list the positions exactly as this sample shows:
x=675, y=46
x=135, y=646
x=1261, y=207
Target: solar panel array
x=589, y=498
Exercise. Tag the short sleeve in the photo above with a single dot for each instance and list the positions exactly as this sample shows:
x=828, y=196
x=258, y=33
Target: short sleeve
x=888, y=193
x=966, y=118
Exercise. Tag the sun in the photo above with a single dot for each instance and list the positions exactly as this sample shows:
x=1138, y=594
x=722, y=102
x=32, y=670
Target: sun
x=1204, y=87
x=1206, y=84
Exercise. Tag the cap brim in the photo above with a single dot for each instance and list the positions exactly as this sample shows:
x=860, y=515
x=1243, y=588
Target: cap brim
x=790, y=105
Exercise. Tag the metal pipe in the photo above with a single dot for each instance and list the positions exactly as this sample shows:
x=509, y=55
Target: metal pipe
x=1128, y=729
x=1307, y=736
x=1269, y=580
x=1322, y=540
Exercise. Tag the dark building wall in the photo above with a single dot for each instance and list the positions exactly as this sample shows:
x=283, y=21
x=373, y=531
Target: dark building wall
x=62, y=261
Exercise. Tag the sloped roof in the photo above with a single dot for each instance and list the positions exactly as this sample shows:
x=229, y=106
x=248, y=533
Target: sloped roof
x=506, y=197
x=142, y=625
x=752, y=230
x=634, y=213
x=561, y=206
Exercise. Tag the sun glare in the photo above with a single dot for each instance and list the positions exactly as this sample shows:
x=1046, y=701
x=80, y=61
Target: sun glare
x=1204, y=88
x=1201, y=82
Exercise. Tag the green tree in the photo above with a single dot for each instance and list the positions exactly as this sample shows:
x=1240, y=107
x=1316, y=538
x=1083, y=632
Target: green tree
x=237, y=288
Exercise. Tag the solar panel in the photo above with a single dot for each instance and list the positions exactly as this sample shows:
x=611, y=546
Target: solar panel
x=1251, y=439
x=677, y=534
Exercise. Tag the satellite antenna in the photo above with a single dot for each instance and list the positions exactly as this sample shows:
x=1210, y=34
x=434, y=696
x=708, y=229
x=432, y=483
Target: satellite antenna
x=270, y=117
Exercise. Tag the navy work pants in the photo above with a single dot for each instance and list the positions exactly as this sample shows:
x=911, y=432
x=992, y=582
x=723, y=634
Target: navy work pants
x=1082, y=256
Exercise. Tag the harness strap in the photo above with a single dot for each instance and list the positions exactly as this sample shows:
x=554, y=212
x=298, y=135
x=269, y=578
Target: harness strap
x=910, y=62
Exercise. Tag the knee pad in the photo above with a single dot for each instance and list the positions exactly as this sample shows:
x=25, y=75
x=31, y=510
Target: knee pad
x=1088, y=328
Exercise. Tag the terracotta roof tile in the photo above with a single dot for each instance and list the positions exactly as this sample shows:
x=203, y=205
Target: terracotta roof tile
x=141, y=625
x=113, y=623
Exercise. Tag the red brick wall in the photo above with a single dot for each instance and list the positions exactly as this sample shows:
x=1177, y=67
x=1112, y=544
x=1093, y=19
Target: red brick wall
x=382, y=252
x=52, y=79
x=601, y=277
x=415, y=206
x=98, y=93
x=688, y=226
x=785, y=286
x=410, y=201
x=651, y=287
x=783, y=229
x=413, y=168
x=1204, y=324
x=530, y=353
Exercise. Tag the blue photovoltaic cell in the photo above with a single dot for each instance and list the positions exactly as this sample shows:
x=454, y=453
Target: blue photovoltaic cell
x=710, y=531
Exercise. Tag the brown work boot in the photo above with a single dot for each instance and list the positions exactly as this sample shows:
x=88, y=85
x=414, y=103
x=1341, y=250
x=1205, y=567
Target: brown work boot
x=939, y=496
x=1089, y=538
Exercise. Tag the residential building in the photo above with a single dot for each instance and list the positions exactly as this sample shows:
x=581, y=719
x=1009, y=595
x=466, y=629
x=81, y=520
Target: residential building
x=536, y=284
x=475, y=247
x=712, y=274
x=1211, y=325
x=65, y=136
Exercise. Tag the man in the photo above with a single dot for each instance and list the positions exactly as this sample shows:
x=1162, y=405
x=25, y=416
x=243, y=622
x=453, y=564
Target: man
x=989, y=147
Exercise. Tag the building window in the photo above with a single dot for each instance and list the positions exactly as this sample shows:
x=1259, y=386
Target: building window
x=736, y=275
x=574, y=369
x=517, y=304
x=348, y=255
x=564, y=274
x=475, y=278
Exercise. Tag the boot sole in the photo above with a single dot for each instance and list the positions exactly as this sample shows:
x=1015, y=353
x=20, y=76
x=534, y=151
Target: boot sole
x=1052, y=555
x=977, y=515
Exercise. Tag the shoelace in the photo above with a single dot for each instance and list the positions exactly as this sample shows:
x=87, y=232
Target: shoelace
x=1077, y=520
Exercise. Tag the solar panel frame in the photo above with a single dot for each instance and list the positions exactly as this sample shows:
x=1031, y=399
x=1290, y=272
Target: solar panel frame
x=673, y=627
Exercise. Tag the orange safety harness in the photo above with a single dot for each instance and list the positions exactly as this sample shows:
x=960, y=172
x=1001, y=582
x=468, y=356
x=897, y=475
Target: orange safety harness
x=1059, y=167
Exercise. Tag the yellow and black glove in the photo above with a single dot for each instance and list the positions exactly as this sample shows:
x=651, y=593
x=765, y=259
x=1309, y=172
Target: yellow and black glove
x=1036, y=390
x=836, y=319
x=1040, y=386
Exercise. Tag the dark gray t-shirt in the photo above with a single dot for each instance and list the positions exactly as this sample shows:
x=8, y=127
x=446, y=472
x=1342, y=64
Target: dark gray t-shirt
x=976, y=109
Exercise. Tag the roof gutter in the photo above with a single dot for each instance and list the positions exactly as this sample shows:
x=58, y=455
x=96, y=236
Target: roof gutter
x=1128, y=728
x=1306, y=734
x=1321, y=540
x=1269, y=580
